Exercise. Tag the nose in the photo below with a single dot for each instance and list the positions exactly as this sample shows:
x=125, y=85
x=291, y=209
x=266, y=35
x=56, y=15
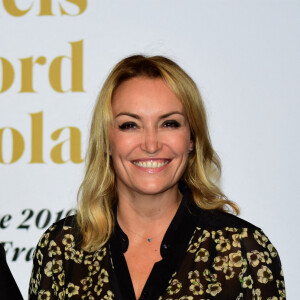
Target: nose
x=151, y=142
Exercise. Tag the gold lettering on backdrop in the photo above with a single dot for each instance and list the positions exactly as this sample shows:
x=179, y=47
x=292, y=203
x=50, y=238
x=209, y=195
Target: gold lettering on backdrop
x=45, y=7
x=37, y=141
x=18, y=145
x=37, y=138
x=11, y=7
x=55, y=71
x=81, y=4
x=55, y=80
x=75, y=146
x=76, y=67
x=27, y=73
x=8, y=75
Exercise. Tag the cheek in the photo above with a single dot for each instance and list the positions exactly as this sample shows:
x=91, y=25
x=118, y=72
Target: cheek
x=179, y=143
x=121, y=144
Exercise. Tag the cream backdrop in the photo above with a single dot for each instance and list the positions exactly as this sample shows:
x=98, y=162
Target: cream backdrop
x=55, y=54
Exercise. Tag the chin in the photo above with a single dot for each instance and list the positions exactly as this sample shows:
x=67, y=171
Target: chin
x=153, y=188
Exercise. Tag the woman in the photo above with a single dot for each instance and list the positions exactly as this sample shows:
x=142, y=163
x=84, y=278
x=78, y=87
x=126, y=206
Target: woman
x=151, y=222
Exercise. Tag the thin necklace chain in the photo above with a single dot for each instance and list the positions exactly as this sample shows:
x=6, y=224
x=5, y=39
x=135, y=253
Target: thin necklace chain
x=149, y=239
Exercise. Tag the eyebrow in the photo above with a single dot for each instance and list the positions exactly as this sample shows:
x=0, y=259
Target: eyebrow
x=138, y=117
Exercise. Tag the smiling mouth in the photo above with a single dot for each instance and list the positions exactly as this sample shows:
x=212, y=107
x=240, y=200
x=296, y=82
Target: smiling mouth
x=151, y=164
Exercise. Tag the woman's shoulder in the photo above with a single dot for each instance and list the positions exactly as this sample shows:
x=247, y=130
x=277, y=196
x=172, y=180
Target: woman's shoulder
x=69, y=223
x=231, y=225
x=220, y=225
x=65, y=233
x=236, y=253
x=220, y=219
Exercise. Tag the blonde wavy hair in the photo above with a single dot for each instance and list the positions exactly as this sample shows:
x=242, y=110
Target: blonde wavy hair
x=97, y=194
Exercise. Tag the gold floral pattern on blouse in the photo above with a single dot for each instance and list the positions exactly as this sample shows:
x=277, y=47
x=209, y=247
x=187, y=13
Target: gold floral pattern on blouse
x=237, y=259
x=50, y=277
x=228, y=263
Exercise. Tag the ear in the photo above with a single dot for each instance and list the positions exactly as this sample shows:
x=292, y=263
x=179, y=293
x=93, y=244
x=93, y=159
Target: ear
x=109, y=150
x=191, y=145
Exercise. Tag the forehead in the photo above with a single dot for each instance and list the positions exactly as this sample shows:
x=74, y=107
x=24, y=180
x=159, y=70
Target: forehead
x=145, y=96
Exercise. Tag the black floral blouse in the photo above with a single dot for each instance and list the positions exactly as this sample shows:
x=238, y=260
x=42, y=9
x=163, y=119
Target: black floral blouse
x=205, y=255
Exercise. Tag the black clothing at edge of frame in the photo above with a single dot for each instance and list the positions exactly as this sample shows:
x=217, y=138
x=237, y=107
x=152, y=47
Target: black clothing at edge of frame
x=8, y=287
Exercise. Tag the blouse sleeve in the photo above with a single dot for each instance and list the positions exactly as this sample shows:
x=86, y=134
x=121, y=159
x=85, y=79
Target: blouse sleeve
x=48, y=271
x=264, y=274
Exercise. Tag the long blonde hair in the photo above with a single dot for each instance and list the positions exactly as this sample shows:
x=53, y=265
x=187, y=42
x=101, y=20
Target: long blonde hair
x=97, y=194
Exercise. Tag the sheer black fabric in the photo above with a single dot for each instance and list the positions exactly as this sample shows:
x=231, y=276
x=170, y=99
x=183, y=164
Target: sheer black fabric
x=205, y=255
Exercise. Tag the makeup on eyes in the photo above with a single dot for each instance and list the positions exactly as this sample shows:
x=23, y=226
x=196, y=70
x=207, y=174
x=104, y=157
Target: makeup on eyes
x=171, y=123
x=128, y=125
x=166, y=124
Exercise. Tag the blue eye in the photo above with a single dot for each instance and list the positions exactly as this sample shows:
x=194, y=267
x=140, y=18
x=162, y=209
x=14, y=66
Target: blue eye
x=127, y=126
x=171, y=124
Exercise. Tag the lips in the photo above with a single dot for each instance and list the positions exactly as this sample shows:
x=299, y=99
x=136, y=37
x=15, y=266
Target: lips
x=152, y=163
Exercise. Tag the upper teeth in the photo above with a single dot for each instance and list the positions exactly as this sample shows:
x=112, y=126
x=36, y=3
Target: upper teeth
x=150, y=164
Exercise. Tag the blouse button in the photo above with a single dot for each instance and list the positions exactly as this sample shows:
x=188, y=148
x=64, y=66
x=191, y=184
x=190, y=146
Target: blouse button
x=145, y=294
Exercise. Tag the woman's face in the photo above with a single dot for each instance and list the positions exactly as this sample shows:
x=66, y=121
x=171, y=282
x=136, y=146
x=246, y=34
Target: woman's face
x=149, y=138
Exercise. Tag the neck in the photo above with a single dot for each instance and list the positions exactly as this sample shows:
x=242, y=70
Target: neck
x=143, y=214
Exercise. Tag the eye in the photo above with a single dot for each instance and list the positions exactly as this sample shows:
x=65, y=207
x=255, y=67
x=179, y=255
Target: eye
x=127, y=126
x=171, y=124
